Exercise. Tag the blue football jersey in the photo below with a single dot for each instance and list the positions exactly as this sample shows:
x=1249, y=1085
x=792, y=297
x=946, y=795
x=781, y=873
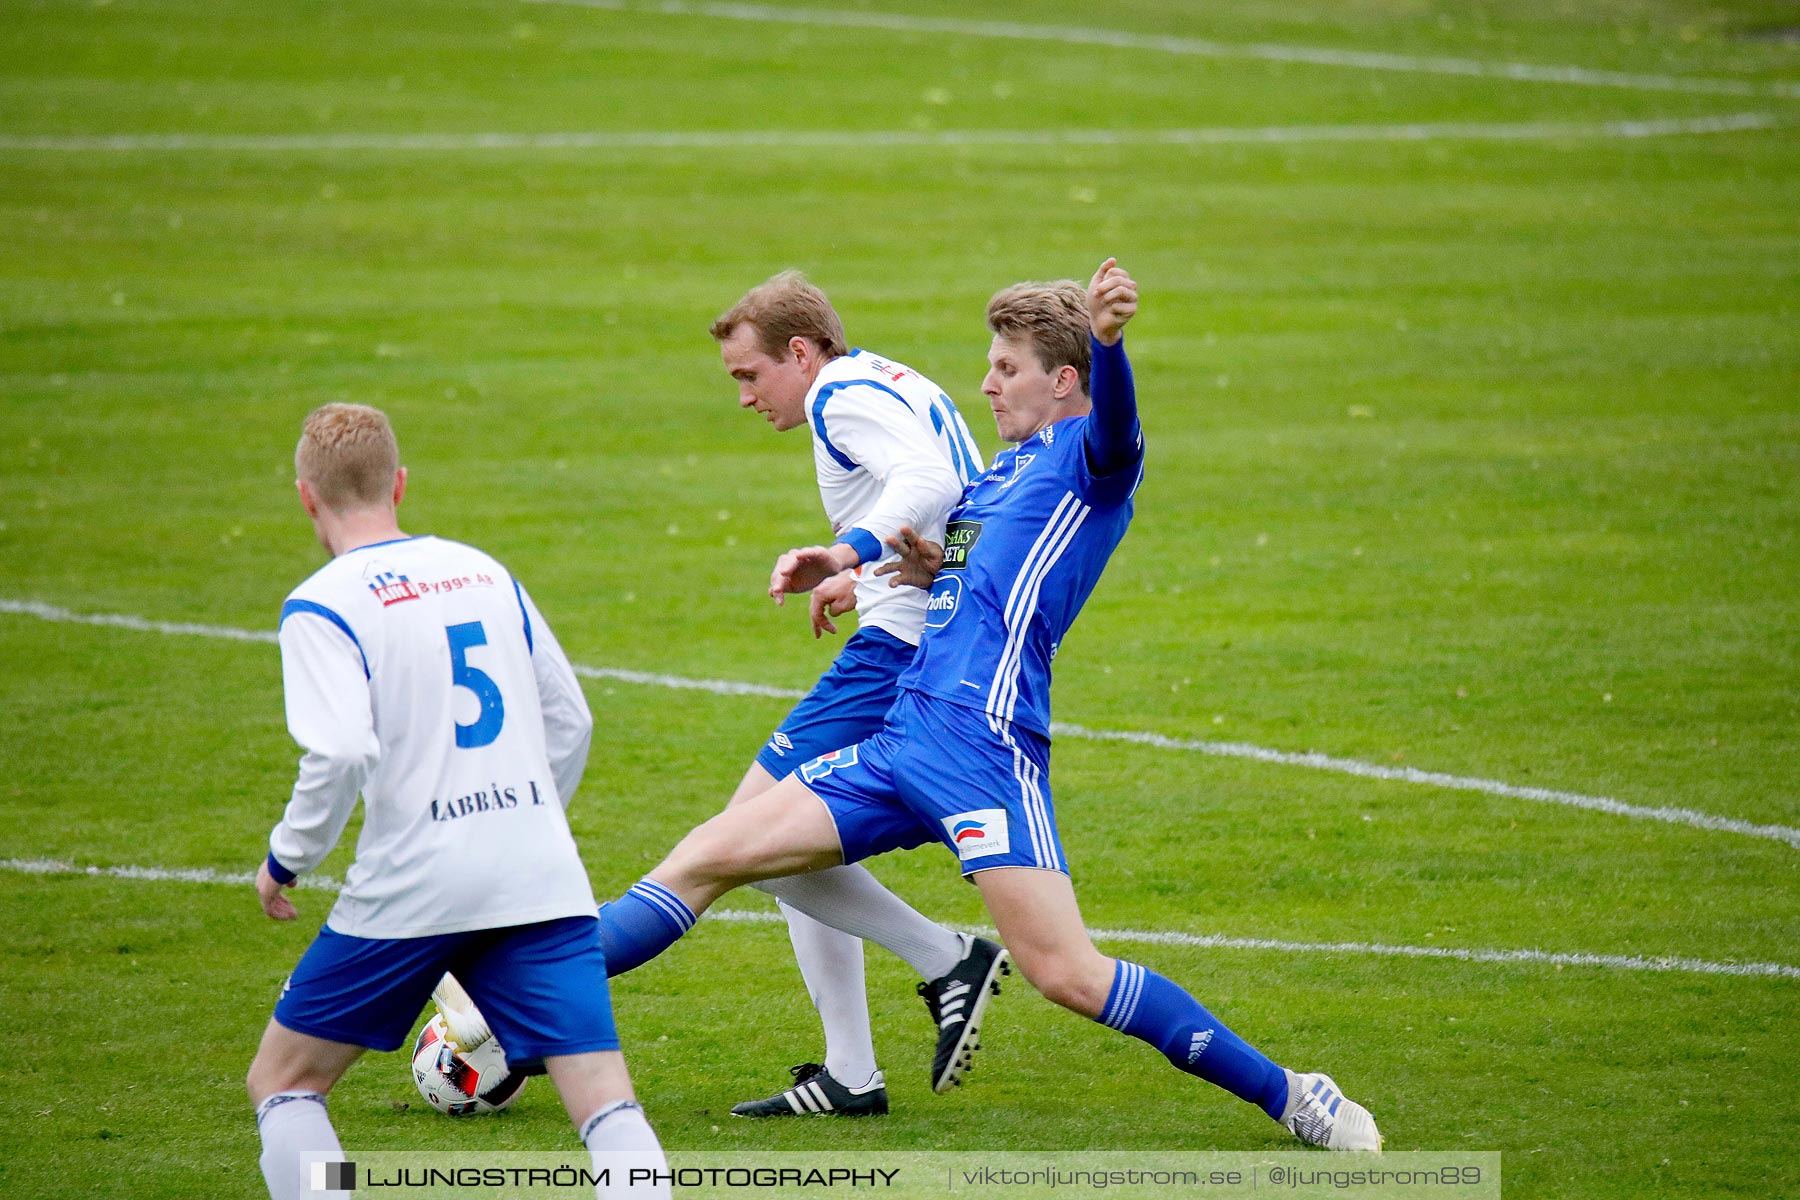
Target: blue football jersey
x=1023, y=549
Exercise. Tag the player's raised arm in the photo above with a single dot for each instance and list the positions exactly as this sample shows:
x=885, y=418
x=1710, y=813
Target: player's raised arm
x=329, y=714
x=1114, y=440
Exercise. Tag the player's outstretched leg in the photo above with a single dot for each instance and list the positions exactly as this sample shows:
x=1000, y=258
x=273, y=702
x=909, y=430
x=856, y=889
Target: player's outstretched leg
x=1041, y=922
x=288, y=1082
x=783, y=831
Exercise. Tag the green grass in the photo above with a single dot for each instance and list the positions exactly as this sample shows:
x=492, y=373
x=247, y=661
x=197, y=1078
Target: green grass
x=1476, y=457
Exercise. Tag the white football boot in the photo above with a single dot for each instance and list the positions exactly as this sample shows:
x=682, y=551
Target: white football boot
x=1326, y=1117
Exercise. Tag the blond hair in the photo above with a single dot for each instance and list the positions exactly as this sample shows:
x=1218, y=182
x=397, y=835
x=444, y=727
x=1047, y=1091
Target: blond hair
x=1052, y=318
x=349, y=455
x=783, y=307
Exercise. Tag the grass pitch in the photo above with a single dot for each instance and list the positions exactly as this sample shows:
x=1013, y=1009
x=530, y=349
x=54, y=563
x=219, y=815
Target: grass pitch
x=1477, y=456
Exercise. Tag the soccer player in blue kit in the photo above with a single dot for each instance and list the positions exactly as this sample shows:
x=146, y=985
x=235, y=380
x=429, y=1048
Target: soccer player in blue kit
x=964, y=755
x=890, y=451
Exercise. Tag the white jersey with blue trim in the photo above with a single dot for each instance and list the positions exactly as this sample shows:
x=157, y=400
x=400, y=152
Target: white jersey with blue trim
x=1022, y=553
x=890, y=449
x=419, y=673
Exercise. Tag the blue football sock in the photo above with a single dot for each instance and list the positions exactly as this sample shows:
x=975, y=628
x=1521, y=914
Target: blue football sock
x=640, y=925
x=1149, y=1007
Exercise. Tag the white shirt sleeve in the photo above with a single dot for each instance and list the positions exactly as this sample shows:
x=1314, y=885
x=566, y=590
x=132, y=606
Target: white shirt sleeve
x=881, y=434
x=329, y=714
x=568, y=725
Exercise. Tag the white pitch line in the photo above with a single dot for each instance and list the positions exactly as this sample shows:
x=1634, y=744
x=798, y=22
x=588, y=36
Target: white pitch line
x=1313, y=761
x=1077, y=35
x=718, y=687
x=51, y=866
x=52, y=612
x=1265, y=135
x=1139, y=937
x=1458, y=783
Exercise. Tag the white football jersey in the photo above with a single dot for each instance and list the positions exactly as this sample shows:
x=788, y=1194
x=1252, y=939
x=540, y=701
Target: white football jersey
x=418, y=673
x=890, y=449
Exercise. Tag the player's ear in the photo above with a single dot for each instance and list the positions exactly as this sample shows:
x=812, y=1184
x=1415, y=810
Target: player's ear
x=1068, y=382
x=399, y=486
x=309, y=499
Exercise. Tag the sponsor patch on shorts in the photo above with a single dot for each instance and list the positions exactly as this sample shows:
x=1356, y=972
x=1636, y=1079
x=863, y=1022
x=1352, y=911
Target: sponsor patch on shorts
x=979, y=833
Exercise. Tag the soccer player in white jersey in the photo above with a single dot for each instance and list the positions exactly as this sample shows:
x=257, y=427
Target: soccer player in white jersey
x=890, y=450
x=964, y=756
x=419, y=674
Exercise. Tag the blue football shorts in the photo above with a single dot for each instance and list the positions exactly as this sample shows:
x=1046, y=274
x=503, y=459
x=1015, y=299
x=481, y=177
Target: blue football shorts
x=542, y=987
x=945, y=772
x=845, y=706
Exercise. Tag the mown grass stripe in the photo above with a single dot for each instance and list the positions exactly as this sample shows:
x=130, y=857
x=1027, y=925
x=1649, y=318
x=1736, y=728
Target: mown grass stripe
x=1266, y=135
x=1322, y=56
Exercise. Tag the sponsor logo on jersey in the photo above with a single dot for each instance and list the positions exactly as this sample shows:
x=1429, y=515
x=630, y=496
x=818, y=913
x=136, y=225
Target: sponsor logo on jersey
x=1198, y=1046
x=1019, y=464
x=391, y=588
x=998, y=472
x=825, y=764
x=978, y=834
x=1049, y=435
x=892, y=370
x=959, y=540
x=946, y=594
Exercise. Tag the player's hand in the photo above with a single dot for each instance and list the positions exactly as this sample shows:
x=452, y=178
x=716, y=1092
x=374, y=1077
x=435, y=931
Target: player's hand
x=919, y=560
x=274, y=903
x=833, y=598
x=804, y=569
x=1112, y=301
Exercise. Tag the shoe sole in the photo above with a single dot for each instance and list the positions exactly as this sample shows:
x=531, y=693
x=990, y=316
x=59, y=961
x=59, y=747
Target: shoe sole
x=830, y=1112
x=963, y=1056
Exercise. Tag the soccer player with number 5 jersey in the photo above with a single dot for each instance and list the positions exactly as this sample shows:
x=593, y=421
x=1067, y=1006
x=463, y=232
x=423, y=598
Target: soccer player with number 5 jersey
x=419, y=674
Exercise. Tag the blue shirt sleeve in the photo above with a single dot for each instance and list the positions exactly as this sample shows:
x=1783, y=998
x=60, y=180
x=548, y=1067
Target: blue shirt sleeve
x=1113, y=440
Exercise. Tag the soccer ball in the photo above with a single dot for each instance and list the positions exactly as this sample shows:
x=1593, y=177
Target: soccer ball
x=462, y=1084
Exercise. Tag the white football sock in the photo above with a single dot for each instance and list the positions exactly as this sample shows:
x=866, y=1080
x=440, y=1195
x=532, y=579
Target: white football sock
x=1295, y=1095
x=296, y=1132
x=621, y=1140
x=831, y=962
x=851, y=899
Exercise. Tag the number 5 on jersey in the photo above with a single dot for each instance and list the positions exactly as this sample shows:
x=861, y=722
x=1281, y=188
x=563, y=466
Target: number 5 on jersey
x=493, y=711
